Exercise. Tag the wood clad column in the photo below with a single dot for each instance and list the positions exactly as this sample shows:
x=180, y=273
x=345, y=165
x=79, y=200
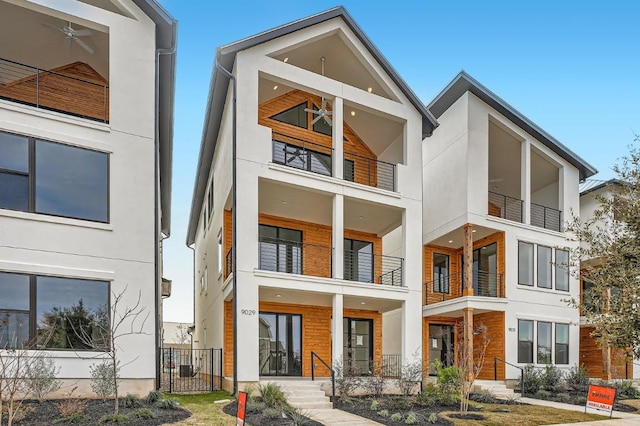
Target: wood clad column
x=468, y=291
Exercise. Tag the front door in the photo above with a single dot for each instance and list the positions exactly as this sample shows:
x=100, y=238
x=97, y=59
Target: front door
x=358, y=345
x=280, y=344
x=441, y=338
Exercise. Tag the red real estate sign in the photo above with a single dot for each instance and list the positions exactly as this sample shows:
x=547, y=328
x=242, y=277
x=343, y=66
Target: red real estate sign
x=242, y=404
x=601, y=398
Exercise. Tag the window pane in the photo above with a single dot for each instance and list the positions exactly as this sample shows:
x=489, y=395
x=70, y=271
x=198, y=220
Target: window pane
x=320, y=163
x=562, y=344
x=544, y=267
x=544, y=343
x=14, y=329
x=440, y=273
x=525, y=263
x=14, y=191
x=525, y=341
x=14, y=152
x=72, y=313
x=321, y=126
x=296, y=116
x=14, y=291
x=71, y=181
x=562, y=333
x=562, y=270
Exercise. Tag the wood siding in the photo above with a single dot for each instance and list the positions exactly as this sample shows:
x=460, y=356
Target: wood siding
x=62, y=89
x=227, y=240
x=591, y=357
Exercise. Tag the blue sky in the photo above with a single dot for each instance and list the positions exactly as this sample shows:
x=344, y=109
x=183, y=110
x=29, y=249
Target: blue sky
x=572, y=67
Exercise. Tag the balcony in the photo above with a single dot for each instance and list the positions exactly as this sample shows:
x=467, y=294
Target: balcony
x=546, y=217
x=372, y=268
x=506, y=207
x=485, y=284
x=60, y=90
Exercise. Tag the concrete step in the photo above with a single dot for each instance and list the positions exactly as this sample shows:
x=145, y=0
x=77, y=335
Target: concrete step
x=497, y=388
x=304, y=394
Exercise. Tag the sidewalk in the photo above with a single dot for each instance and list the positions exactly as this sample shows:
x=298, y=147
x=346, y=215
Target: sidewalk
x=331, y=417
x=623, y=419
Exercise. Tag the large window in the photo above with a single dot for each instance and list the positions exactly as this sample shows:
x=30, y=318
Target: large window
x=544, y=343
x=551, y=342
x=358, y=260
x=562, y=270
x=562, y=343
x=280, y=249
x=50, y=178
x=525, y=341
x=525, y=263
x=485, y=271
x=440, y=273
x=544, y=267
x=53, y=312
x=551, y=266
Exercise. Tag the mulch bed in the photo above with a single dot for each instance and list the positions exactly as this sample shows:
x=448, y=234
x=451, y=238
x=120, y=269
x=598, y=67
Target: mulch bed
x=361, y=406
x=257, y=419
x=45, y=413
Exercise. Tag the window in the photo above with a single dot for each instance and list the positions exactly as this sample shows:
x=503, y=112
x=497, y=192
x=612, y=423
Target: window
x=562, y=343
x=440, y=273
x=53, y=312
x=296, y=116
x=321, y=126
x=210, y=200
x=349, y=170
x=485, y=271
x=204, y=285
x=544, y=267
x=220, y=251
x=525, y=341
x=358, y=260
x=280, y=249
x=562, y=270
x=50, y=178
x=525, y=263
x=544, y=343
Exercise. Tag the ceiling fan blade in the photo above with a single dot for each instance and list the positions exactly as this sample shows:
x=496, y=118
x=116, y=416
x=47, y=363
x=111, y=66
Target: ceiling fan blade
x=315, y=120
x=82, y=33
x=496, y=180
x=313, y=111
x=84, y=45
x=328, y=120
x=53, y=27
x=67, y=43
x=328, y=112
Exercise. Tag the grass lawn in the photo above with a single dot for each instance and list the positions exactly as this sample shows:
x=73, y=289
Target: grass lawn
x=632, y=402
x=205, y=411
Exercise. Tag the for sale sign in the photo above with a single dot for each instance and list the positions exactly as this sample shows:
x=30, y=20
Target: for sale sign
x=601, y=398
x=242, y=405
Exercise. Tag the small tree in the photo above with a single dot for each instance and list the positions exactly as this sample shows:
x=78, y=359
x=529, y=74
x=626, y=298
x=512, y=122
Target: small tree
x=410, y=376
x=466, y=378
x=182, y=334
x=41, y=377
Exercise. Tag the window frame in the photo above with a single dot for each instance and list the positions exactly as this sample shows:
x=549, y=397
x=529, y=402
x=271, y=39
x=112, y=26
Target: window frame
x=531, y=342
x=556, y=344
x=549, y=266
x=443, y=282
x=531, y=262
x=550, y=347
x=559, y=269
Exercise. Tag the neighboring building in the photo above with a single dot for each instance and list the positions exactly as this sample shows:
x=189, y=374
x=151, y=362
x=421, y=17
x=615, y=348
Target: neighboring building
x=329, y=203
x=176, y=335
x=86, y=128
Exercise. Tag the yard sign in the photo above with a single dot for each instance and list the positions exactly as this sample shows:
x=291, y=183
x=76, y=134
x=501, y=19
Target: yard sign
x=601, y=398
x=242, y=403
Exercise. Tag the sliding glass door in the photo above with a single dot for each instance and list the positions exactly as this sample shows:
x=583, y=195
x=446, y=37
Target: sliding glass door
x=280, y=347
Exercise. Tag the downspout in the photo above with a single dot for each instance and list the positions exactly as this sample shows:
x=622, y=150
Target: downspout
x=234, y=251
x=157, y=238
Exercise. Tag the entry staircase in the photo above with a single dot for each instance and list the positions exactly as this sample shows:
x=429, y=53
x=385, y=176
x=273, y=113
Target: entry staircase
x=303, y=394
x=497, y=388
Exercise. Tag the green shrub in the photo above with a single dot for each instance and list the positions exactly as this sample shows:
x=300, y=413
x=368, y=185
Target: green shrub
x=383, y=413
x=298, y=416
x=532, y=380
x=396, y=417
x=432, y=395
x=154, y=396
x=448, y=378
x=113, y=418
x=272, y=395
x=272, y=413
x=168, y=403
x=142, y=413
x=433, y=418
x=564, y=397
x=254, y=406
x=543, y=394
x=399, y=403
x=577, y=379
x=374, y=405
x=551, y=378
x=72, y=418
x=626, y=389
x=411, y=418
x=581, y=400
x=130, y=401
x=484, y=396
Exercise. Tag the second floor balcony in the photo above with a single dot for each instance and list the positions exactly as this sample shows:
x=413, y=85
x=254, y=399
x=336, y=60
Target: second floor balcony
x=447, y=287
x=512, y=208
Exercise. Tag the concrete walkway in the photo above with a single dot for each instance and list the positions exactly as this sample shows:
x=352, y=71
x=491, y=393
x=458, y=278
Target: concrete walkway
x=336, y=417
x=623, y=419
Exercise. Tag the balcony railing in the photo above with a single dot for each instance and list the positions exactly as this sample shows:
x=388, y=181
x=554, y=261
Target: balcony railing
x=301, y=154
x=54, y=91
x=506, y=207
x=546, y=217
x=389, y=368
x=485, y=284
x=369, y=171
x=373, y=268
x=294, y=257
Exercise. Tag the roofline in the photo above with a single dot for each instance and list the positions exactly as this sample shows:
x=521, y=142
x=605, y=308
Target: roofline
x=601, y=185
x=463, y=83
x=225, y=56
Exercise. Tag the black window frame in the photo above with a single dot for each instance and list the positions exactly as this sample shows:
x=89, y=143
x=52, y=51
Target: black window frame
x=304, y=104
x=561, y=345
x=539, y=346
x=561, y=269
x=530, y=343
x=354, y=274
x=548, y=266
x=32, y=182
x=441, y=284
x=291, y=266
x=531, y=263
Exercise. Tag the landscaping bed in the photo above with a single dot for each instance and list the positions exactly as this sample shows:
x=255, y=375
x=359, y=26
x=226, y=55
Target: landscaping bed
x=256, y=415
x=395, y=410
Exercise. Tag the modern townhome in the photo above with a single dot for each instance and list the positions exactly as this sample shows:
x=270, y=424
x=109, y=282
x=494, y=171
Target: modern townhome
x=86, y=127
x=592, y=356
x=327, y=209
x=497, y=192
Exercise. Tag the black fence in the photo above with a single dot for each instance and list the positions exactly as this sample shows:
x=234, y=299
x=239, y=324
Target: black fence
x=191, y=370
x=546, y=217
x=506, y=207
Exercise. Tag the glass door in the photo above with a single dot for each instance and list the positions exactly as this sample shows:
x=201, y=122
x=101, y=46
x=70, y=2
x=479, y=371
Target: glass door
x=280, y=344
x=485, y=271
x=441, y=338
x=358, y=345
x=358, y=260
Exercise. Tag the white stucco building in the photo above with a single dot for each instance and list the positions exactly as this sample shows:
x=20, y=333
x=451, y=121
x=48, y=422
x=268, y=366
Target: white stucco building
x=86, y=128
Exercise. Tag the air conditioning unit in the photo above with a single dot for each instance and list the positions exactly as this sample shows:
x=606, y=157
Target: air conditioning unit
x=166, y=288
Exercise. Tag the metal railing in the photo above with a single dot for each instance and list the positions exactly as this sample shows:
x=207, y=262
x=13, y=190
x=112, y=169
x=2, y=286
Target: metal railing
x=333, y=376
x=294, y=257
x=485, y=284
x=392, y=366
x=546, y=217
x=495, y=373
x=302, y=154
x=228, y=265
x=506, y=207
x=191, y=370
x=373, y=268
x=53, y=91
x=370, y=171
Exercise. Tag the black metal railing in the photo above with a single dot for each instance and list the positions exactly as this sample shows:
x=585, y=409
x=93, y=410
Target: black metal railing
x=53, y=91
x=506, y=207
x=294, y=257
x=391, y=366
x=495, y=372
x=546, y=217
x=373, y=268
x=333, y=376
x=302, y=154
x=191, y=370
x=369, y=171
x=228, y=264
x=485, y=284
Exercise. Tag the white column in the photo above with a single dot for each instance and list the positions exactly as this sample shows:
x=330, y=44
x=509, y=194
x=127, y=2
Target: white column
x=336, y=328
x=338, y=236
x=412, y=329
x=525, y=179
x=338, y=152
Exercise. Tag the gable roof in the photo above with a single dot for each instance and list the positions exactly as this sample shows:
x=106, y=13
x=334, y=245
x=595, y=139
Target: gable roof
x=463, y=83
x=226, y=55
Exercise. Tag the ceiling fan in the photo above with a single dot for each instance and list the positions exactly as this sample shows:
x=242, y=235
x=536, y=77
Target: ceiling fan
x=323, y=112
x=495, y=180
x=72, y=34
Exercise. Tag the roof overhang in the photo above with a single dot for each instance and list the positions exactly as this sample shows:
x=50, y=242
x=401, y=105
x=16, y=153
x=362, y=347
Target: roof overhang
x=225, y=57
x=463, y=83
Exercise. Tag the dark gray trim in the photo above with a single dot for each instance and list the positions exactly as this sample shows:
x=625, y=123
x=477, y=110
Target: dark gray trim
x=463, y=83
x=225, y=56
x=601, y=185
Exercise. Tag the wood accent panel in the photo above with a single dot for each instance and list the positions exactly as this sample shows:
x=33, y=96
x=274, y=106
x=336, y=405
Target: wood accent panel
x=591, y=356
x=227, y=239
x=54, y=90
x=455, y=266
x=365, y=170
x=494, y=321
x=494, y=210
x=316, y=332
